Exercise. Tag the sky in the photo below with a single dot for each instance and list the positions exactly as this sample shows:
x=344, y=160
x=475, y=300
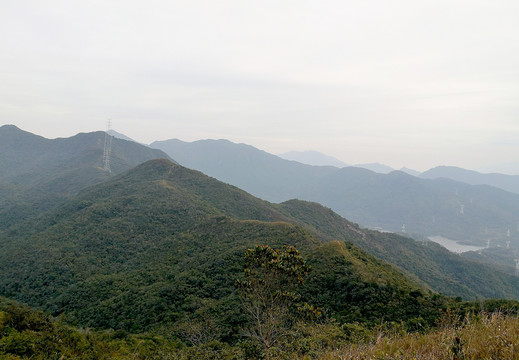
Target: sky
x=404, y=83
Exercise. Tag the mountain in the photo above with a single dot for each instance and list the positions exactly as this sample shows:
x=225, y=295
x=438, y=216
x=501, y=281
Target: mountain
x=27, y=159
x=509, y=168
x=160, y=246
x=38, y=173
x=118, y=135
x=468, y=213
x=312, y=158
x=376, y=167
x=262, y=174
x=426, y=262
x=410, y=171
x=506, y=182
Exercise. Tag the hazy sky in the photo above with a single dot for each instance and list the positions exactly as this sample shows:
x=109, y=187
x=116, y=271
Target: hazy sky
x=412, y=83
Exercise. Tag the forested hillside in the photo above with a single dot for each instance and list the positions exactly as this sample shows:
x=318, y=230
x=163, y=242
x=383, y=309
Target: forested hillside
x=160, y=243
x=453, y=209
x=159, y=249
x=38, y=173
x=157, y=245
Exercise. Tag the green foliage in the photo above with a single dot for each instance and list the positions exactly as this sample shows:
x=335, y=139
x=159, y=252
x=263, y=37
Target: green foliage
x=355, y=287
x=268, y=292
x=158, y=249
x=26, y=333
x=429, y=264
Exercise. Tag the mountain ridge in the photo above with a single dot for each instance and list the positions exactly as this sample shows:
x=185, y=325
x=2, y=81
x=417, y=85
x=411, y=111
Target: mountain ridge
x=468, y=213
x=506, y=182
x=141, y=246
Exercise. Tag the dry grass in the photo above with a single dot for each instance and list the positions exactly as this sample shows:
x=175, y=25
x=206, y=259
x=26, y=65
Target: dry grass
x=486, y=336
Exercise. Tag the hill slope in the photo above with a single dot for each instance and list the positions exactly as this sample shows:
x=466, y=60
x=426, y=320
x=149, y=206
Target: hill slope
x=426, y=262
x=39, y=173
x=160, y=244
x=27, y=159
x=443, y=207
x=262, y=174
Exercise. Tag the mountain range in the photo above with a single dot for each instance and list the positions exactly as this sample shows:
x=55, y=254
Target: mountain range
x=38, y=173
x=453, y=209
x=158, y=246
x=506, y=182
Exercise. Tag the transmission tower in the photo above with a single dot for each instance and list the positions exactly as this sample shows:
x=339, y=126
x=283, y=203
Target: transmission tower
x=107, y=153
x=516, y=266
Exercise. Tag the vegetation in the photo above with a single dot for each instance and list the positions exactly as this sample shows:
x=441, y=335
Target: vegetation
x=148, y=261
x=430, y=207
x=427, y=263
x=159, y=248
x=271, y=275
x=29, y=334
x=155, y=250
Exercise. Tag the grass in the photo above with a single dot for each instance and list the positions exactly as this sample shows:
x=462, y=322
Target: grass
x=485, y=336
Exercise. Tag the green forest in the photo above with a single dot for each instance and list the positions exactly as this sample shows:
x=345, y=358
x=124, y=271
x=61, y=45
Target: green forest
x=157, y=261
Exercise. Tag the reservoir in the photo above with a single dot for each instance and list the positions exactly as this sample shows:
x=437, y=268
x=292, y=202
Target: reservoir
x=454, y=246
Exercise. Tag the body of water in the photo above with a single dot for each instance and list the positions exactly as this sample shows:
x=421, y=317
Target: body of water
x=454, y=246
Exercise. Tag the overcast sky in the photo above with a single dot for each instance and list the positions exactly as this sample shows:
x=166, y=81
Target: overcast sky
x=405, y=83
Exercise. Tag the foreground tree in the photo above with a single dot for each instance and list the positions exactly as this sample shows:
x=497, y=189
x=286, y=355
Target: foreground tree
x=268, y=292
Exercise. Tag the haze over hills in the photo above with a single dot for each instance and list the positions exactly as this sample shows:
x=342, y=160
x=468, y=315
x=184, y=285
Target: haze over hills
x=37, y=173
x=410, y=171
x=283, y=172
x=311, y=157
x=429, y=207
x=508, y=168
x=316, y=158
x=262, y=174
x=158, y=248
x=23, y=154
x=376, y=167
x=112, y=250
x=502, y=181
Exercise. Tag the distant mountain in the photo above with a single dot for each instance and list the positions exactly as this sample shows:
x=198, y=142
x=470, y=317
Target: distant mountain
x=37, y=173
x=410, y=171
x=258, y=172
x=376, y=167
x=505, y=182
x=27, y=159
x=118, y=135
x=509, y=168
x=312, y=158
x=470, y=213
